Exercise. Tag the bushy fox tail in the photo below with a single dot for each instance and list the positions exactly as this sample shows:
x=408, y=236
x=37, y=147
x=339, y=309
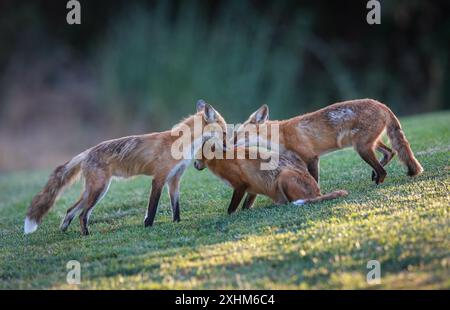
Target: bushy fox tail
x=401, y=145
x=329, y=196
x=61, y=177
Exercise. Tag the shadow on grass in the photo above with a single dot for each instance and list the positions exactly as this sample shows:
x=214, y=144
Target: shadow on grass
x=125, y=247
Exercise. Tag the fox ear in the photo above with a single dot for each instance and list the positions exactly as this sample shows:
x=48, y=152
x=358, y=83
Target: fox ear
x=210, y=114
x=201, y=105
x=261, y=115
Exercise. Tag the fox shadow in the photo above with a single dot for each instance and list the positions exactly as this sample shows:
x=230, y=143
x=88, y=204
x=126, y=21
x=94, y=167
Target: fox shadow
x=198, y=230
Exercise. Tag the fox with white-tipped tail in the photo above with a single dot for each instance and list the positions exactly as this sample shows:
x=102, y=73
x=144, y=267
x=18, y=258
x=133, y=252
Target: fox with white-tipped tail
x=149, y=154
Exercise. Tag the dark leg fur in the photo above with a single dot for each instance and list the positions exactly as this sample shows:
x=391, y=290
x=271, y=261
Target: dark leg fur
x=92, y=200
x=249, y=201
x=368, y=155
x=153, y=202
x=388, y=155
x=72, y=212
x=238, y=194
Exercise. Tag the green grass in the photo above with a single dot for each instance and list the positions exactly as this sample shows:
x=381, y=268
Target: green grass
x=403, y=223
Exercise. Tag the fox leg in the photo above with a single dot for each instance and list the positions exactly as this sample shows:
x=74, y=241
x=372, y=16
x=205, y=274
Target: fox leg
x=368, y=155
x=300, y=188
x=96, y=192
x=249, y=201
x=72, y=212
x=311, y=159
x=174, y=193
x=85, y=214
x=313, y=168
x=295, y=185
x=238, y=194
x=388, y=154
x=157, y=187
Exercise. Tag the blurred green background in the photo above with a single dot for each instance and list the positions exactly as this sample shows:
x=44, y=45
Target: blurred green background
x=138, y=66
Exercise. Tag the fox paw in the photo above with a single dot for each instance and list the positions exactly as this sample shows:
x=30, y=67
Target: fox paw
x=374, y=175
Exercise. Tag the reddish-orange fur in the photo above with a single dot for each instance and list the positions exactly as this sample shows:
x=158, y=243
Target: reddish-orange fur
x=148, y=154
x=288, y=182
x=357, y=123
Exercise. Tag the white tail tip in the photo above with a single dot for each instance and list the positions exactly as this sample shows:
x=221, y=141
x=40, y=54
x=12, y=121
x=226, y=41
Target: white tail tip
x=30, y=226
x=299, y=202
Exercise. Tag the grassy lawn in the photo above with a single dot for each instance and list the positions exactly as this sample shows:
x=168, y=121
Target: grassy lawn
x=403, y=223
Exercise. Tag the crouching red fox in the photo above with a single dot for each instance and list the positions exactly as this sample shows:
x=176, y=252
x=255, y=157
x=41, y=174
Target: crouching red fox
x=287, y=181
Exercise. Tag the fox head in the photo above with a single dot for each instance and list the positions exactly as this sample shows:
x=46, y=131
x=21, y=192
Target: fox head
x=201, y=162
x=258, y=117
x=195, y=130
x=210, y=115
x=214, y=127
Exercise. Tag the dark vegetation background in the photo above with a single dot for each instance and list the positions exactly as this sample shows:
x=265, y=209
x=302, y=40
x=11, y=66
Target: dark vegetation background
x=138, y=66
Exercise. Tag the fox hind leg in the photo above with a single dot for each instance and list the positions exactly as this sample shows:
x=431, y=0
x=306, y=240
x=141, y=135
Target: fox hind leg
x=96, y=190
x=313, y=168
x=72, y=212
x=295, y=186
x=155, y=195
x=238, y=194
x=249, y=201
x=388, y=154
x=301, y=188
x=368, y=155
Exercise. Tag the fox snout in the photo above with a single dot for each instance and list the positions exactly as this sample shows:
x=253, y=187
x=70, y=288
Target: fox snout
x=199, y=165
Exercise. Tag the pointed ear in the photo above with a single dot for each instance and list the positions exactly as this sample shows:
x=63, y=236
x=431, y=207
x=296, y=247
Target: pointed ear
x=210, y=114
x=261, y=115
x=201, y=105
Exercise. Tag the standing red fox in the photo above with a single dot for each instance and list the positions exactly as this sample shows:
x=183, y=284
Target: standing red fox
x=288, y=181
x=358, y=123
x=148, y=154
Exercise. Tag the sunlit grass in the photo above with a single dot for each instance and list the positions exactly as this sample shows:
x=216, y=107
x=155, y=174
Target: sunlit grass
x=403, y=223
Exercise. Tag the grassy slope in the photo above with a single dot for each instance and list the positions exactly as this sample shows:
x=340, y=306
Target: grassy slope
x=403, y=223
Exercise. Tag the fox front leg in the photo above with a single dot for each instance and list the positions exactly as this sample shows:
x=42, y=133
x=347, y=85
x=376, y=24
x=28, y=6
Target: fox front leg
x=174, y=193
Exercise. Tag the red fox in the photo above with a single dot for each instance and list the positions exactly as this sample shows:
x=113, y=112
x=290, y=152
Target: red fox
x=289, y=181
x=358, y=123
x=148, y=154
